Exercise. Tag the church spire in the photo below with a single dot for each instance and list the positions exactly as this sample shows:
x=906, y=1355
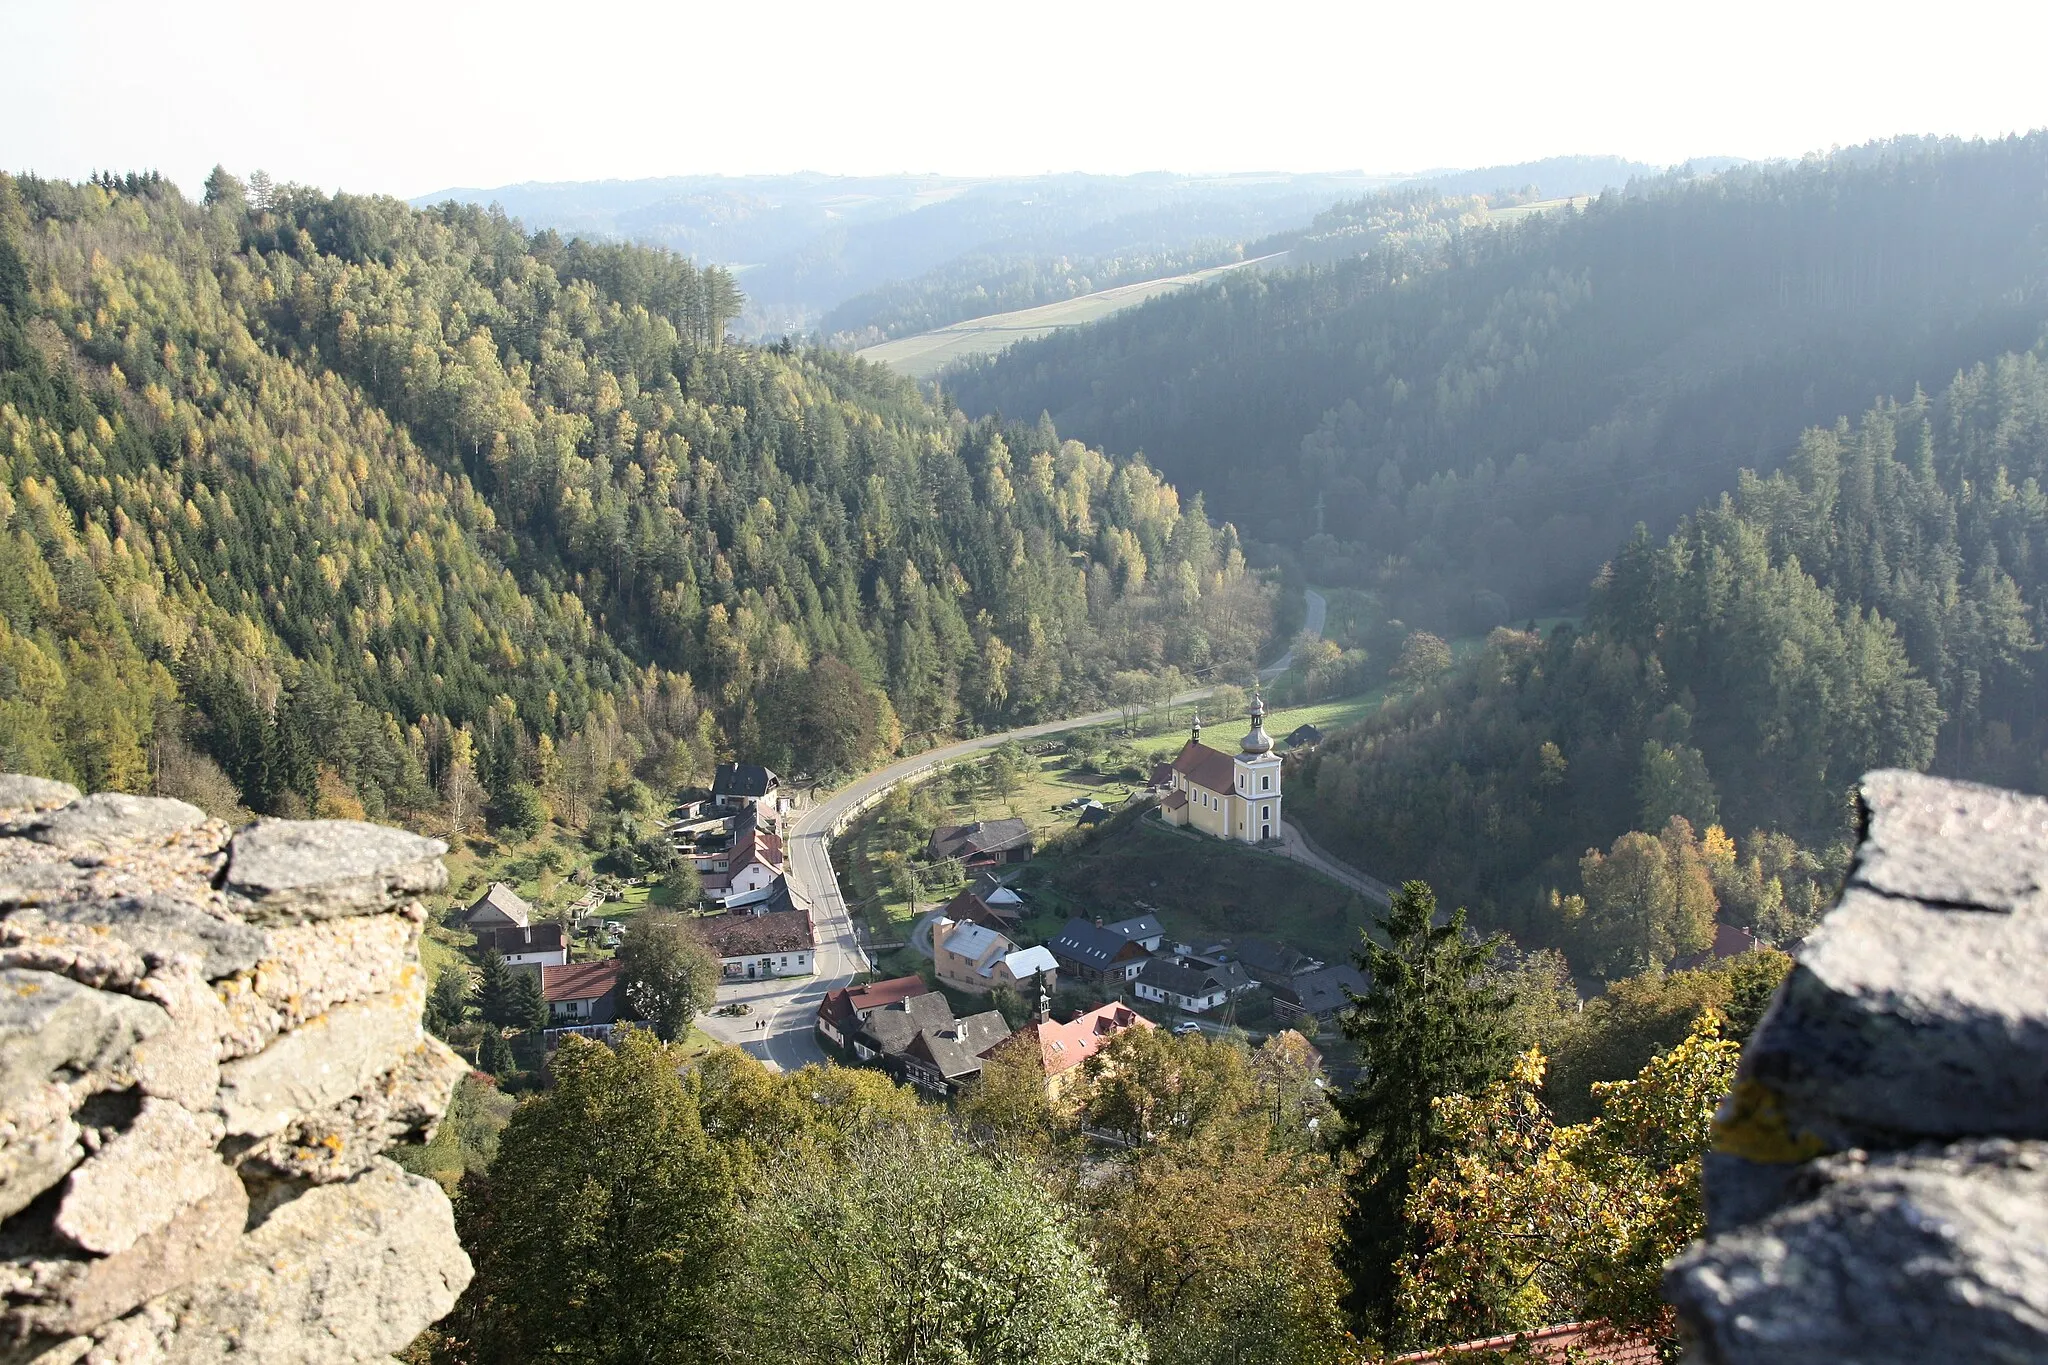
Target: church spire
x=1258, y=741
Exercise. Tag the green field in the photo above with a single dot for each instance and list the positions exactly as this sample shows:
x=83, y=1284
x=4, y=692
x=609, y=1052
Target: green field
x=925, y=354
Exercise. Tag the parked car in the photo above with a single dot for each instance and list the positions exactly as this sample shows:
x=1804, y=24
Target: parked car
x=1183, y=1030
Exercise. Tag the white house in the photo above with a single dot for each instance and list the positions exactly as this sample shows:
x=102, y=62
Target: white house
x=754, y=947
x=1185, y=984
x=974, y=957
x=497, y=908
x=529, y=945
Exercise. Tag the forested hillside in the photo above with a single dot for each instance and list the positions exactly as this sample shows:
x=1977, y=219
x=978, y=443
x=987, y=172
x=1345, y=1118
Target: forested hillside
x=372, y=508
x=1469, y=425
x=1881, y=600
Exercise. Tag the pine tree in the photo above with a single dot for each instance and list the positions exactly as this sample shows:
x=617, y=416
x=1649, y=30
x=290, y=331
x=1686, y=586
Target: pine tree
x=494, y=989
x=495, y=1055
x=448, y=1001
x=1431, y=1024
x=529, y=1006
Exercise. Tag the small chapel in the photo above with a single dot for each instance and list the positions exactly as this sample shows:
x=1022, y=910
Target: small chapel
x=1232, y=796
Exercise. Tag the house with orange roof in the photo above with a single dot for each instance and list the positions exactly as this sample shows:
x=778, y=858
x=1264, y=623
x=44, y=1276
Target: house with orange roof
x=1064, y=1048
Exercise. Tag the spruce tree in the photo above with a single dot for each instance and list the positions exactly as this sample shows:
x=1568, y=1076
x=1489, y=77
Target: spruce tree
x=494, y=989
x=529, y=1006
x=1431, y=1024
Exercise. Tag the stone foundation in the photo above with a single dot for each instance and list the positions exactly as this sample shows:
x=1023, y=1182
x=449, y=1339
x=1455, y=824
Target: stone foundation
x=207, y=1039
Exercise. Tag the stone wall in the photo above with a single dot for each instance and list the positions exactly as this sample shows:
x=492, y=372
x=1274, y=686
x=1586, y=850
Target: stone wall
x=1878, y=1190
x=207, y=1039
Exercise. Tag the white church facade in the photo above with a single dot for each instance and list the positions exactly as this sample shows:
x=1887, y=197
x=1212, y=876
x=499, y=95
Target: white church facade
x=1230, y=796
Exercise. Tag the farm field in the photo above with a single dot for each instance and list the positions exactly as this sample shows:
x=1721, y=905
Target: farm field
x=925, y=354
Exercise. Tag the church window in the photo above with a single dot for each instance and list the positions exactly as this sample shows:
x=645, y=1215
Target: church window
x=1265, y=782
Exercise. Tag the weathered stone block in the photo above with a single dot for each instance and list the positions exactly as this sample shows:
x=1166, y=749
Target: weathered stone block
x=322, y=1063
x=295, y=870
x=57, y=1295
x=335, y=1144
x=148, y=1175
x=21, y=793
x=161, y=928
x=1903, y=1258
x=1953, y=843
x=343, y=1273
x=52, y=1028
x=304, y=970
x=39, y=1142
x=105, y=821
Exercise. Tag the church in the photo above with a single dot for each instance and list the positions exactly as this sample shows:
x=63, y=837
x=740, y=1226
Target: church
x=1229, y=796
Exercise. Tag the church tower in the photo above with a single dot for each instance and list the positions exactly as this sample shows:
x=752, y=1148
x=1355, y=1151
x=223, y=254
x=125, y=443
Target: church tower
x=1258, y=782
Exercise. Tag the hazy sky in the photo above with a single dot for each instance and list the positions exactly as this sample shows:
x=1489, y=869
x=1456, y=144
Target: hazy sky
x=406, y=97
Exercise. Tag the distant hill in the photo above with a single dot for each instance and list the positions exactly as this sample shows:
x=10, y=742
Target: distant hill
x=1469, y=418
x=804, y=244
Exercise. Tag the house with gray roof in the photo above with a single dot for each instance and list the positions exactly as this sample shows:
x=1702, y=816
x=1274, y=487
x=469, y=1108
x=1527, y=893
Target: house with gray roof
x=1187, y=984
x=985, y=843
x=1317, y=996
x=919, y=1042
x=1092, y=953
x=499, y=907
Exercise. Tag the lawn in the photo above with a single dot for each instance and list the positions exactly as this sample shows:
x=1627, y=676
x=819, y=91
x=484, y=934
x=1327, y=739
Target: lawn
x=1198, y=886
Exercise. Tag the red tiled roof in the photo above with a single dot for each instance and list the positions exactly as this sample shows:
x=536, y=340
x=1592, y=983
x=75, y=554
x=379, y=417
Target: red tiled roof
x=758, y=846
x=579, y=981
x=1065, y=1046
x=1207, y=767
x=878, y=993
x=1162, y=773
x=1595, y=1342
x=844, y=1006
x=1174, y=800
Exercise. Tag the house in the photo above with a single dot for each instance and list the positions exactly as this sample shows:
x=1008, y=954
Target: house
x=974, y=957
x=498, y=908
x=1189, y=984
x=1143, y=931
x=526, y=945
x=1317, y=995
x=1091, y=816
x=736, y=785
x=1162, y=777
x=754, y=947
x=996, y=894
x=581, y=994
x=985, y=843
x=970, y=908
x=1270, y=962
x=917, y=1040
x=781, y=897
x=1091, y=953
x=1062, y=1048
x=1729, y=941
x=841, y=1012
x=1232, y=797
x=752, y=866
x=1304, y=737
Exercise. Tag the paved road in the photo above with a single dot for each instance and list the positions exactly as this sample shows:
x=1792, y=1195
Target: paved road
x=789, y=1008
x=1311, y=624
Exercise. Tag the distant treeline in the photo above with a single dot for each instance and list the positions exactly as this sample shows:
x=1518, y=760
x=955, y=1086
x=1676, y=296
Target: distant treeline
x=1468, y=420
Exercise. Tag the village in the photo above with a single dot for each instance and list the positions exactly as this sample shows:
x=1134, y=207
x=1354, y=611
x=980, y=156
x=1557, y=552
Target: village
x=996, y=959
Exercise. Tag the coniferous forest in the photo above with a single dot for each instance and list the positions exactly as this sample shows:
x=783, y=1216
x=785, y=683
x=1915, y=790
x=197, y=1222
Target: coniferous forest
x=334, y=505
x=1467, y=421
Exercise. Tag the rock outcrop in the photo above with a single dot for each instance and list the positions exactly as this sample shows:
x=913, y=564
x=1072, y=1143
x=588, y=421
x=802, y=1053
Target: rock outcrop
x=208, y=1038
x=1878, y=1188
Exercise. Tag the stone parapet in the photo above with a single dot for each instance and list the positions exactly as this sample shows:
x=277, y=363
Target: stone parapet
x=208, y=1038
x=1878, y=1188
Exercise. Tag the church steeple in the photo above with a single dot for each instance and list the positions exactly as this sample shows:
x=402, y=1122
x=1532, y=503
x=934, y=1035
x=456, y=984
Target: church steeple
x=1198, y=727
x=1258, y=741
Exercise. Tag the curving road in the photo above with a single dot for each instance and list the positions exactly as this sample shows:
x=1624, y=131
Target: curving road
x=779, y=1029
